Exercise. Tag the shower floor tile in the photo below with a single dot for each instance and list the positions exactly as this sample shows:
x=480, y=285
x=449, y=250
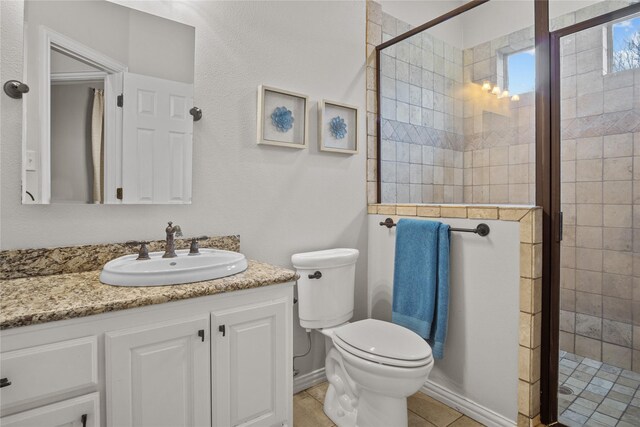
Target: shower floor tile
x=601, y=394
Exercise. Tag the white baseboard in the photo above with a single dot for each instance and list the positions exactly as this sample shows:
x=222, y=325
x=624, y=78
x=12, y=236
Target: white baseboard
x=303, y=382
x=466, y=406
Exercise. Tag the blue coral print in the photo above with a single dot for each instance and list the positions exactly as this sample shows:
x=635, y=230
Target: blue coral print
x=282, y=119
x=338, y=127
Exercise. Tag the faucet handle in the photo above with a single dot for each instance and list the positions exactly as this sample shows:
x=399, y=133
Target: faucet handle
x=143, y=253
x=195, y=248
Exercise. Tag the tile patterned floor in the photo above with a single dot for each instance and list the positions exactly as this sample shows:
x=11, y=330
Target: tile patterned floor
x=602, y=395
x=423, y=411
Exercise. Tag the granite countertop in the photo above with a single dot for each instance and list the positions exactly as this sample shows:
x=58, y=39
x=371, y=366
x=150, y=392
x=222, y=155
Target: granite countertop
x=32, y=300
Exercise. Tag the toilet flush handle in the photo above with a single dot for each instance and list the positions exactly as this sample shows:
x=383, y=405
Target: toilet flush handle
x=315, y=275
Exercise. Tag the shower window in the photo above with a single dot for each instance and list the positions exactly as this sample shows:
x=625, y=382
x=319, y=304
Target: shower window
x=520, y=72
x=624, y=45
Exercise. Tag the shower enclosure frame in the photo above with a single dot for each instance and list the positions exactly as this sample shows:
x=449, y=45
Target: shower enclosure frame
x=550, y=184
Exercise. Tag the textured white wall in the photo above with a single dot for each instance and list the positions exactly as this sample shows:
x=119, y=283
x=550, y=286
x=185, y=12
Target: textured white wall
x=279, y=200
x=481, y=351
x=416, y=13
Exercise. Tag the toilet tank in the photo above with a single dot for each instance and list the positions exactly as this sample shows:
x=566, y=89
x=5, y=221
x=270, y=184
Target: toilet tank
x=325, y=301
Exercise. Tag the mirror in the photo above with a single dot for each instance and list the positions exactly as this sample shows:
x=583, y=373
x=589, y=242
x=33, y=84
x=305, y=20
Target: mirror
x=107, y=117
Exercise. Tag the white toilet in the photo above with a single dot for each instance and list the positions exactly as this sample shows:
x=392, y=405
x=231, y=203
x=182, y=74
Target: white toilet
x=372, y=366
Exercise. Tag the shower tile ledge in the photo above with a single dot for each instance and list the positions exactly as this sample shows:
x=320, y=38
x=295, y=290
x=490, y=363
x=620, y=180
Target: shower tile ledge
x=469, y=211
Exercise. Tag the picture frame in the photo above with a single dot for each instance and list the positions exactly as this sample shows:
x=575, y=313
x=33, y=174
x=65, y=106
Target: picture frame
x=338, y=127
x=283, y=118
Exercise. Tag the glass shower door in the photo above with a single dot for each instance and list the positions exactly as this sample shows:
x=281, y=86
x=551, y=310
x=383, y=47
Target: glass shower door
x=599, y=90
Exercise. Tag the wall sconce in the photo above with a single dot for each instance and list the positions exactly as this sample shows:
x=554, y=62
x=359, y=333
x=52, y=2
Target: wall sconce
x=499, y=93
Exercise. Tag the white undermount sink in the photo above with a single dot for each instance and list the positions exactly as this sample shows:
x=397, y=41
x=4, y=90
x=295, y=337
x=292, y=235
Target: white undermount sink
x=210, y=264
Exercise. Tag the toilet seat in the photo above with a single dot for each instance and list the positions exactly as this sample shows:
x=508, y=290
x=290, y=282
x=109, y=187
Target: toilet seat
x=383, y=342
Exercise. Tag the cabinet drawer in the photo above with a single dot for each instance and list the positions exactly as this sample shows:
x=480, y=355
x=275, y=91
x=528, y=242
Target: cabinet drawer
x=48, y=370
x=83, y=411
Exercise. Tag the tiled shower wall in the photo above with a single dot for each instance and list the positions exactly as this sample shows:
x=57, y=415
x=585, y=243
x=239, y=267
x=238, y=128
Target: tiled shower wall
x=499, y=134
x=421, y=118
x=600, y=266
x=444, y=140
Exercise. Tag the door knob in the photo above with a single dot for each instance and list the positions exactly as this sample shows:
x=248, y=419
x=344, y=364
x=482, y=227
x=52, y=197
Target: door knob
x=15, y=89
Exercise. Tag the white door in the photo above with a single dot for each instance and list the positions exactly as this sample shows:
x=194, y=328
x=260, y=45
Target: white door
x=82, y=411
x=157, y=140
x=159, y=375
x=249, y=359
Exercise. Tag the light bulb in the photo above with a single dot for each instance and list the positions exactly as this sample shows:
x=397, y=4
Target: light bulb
x=504, y=94
x=496, y=90
x=486, y=86
x=515, y=98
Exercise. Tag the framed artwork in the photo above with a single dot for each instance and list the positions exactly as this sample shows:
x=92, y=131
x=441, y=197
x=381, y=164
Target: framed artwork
x=337, y=127
x=283, y=117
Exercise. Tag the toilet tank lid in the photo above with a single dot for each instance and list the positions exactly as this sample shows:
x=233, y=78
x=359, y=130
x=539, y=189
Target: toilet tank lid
x=327, y=258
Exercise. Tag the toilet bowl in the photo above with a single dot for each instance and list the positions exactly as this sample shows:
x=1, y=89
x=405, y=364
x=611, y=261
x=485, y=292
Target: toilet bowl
x=372, y=366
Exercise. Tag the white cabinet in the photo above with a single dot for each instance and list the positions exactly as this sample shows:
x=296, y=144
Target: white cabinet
x=43, y=371
x=220, y=360
x=249, y=356
x=79, y=412
x=159, y=375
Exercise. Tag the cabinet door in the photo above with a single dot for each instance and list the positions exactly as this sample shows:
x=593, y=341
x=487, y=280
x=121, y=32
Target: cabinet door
x=82, y=411
x=159, y=375
x=249, y=356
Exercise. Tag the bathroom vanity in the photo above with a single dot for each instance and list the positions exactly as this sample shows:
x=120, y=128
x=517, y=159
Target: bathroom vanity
x=81, y=353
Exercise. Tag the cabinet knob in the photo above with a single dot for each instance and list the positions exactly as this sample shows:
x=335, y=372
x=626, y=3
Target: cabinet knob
x=222, y=329
x=4, y=382
x=83, y=419
x=201, y=334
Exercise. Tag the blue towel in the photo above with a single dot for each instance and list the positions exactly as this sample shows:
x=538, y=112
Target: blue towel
x=421, y=280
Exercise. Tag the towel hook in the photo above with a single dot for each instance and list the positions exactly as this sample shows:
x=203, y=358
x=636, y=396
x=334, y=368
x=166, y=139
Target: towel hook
x=196, y=113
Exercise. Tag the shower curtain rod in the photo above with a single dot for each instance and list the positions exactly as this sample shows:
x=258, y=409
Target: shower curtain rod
x=481, y=230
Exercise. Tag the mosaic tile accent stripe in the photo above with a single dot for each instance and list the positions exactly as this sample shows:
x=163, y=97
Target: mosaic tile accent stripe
x=414, y=134
x=19, y=263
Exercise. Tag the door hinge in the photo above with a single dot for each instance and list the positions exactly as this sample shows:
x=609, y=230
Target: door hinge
x=222, y=329
x=560, y=227
x=120, y=101
x=119, y=193
x=201, y=334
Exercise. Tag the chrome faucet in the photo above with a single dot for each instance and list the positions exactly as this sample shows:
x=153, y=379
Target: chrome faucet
x=170, y=248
